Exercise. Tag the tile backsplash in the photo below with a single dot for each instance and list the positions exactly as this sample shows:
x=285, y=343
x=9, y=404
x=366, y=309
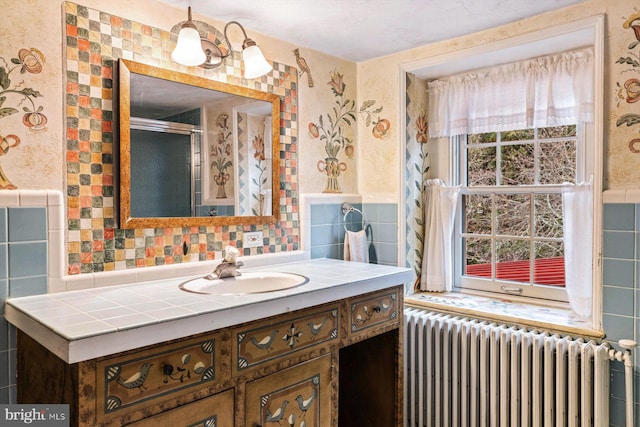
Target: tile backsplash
x=94, y=41
x=621, y=295
x=24, y=246
x=328, y=228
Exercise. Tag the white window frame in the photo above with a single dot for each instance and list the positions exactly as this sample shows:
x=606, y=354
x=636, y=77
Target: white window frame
x=550, y=294
x=580, y=33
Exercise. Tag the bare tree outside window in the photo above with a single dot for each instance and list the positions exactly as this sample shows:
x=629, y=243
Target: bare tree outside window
x=508, y=231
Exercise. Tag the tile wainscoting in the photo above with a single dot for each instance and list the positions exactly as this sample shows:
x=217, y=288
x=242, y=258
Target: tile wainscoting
x=324, y=226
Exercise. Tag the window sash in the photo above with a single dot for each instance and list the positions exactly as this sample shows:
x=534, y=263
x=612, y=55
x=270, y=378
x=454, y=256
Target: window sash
x=493, y=285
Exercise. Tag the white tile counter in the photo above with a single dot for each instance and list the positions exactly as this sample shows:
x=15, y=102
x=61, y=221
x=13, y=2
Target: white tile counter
x=85, y=324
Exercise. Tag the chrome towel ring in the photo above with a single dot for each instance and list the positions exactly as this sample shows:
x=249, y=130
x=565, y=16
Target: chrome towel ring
x=348, y=208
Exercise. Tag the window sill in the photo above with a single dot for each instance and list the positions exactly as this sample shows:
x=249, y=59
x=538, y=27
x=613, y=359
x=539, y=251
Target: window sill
x=553, y=319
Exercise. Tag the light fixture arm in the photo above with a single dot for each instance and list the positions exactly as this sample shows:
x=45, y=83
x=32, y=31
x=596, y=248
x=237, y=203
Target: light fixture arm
x=246, y=43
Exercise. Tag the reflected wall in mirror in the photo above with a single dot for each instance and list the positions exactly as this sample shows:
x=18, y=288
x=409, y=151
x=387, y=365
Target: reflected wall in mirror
x=194, y=151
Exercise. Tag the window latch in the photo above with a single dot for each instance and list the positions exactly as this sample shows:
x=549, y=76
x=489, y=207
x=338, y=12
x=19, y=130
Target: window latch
x=511, y=290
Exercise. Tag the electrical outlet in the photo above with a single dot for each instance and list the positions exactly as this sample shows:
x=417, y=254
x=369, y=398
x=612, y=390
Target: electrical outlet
x=252, y=239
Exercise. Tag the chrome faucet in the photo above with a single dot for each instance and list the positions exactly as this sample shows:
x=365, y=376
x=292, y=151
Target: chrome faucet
x=226, y=269
x=229, y=265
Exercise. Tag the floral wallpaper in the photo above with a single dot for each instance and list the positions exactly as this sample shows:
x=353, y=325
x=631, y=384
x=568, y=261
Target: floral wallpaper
x=15, y=94
x=329, y=129
x=628, y=89
x=416, y=169
x=220, y=156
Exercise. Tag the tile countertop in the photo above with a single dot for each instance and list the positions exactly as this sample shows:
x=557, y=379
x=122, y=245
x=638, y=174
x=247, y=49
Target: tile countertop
x=85, y=324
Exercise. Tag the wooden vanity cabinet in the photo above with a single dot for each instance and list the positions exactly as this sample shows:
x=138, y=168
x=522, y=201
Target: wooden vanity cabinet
x=336, y=364
x=293, y=396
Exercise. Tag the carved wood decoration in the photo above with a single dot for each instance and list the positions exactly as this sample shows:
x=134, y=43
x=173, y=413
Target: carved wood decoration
x=223, y=378
x=125, y=382
x=213, y=411
x=373, y=310
x=264, y=342
x=298, y=396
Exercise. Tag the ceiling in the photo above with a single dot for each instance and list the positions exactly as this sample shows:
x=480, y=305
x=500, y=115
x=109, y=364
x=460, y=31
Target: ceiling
x=359, y=30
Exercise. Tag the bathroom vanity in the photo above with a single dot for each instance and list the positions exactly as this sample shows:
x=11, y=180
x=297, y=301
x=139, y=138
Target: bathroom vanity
x=326, y=353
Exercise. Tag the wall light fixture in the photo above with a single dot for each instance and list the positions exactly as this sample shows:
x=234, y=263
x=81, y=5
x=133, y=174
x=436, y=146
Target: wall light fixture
x=192, y=50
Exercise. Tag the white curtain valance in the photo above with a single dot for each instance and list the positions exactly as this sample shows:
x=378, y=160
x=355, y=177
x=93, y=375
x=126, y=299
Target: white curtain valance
x=552, y=90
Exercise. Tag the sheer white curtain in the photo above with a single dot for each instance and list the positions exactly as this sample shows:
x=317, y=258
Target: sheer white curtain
x=440, y=203
x=552, y=90
x=577, y=220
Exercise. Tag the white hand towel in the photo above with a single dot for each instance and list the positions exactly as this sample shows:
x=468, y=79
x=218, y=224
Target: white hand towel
x=356, y=246
x=266, y=202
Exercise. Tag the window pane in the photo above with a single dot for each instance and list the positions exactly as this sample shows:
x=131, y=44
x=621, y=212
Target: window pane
x=513, y=214
x=477, y=214
x=557, y=132
x=549, y=263
x=512, y=260
x=517, y=135
x=548, y=215
x=481, y=166
x=477, y=257
x=557, y=162
x=482, y=138
x=517, y=164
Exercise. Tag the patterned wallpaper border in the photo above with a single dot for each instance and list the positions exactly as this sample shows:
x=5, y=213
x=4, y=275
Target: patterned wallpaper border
x=94, y=40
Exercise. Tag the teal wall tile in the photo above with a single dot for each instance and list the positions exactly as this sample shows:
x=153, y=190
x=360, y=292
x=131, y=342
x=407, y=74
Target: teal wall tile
x=4, y=293
x=327, y=230
x=318, y=215
x=4, y=261
x=616, y=412
x=3, y=225
x=27, y=224
x=618, y=301
x=618, y=272
x=617, y=327
x=27, y=259
x=372, y=212
x=4, y=334
x=618, y=244
x=4, y=373
x=619, y=216
x=388, y=212
x=322, y=235
x=387, y=233
x=27, y=286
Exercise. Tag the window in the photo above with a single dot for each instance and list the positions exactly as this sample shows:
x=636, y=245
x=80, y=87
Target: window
x=464, y=128
x=519, y=129
x=511, y=224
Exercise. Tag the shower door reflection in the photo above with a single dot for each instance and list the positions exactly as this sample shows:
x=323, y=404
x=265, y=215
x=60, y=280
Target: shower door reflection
x=163, y=181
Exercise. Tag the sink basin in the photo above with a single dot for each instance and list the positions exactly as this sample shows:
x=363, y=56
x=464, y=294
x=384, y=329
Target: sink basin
x=246, y=283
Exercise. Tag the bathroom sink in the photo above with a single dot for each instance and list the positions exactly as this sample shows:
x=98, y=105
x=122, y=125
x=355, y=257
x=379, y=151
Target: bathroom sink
x=246, y=283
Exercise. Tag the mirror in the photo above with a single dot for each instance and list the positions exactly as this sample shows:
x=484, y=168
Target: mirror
x=195, y=152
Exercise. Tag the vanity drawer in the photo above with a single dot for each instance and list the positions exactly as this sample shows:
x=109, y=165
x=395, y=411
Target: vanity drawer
x=374, y=310
x=216, y=410
x=133, y=381
x=262, y=342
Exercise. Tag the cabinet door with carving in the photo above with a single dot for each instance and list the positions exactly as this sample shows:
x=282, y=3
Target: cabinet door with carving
x=299, y=396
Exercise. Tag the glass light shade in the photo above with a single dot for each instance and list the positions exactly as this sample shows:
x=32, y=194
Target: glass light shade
x=188, y=50
x=254, y=63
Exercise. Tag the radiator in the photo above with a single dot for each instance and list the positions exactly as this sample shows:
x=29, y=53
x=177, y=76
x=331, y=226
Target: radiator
x=466, y=372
